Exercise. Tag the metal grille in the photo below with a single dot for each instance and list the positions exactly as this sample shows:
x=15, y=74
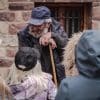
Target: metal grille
x=72, y=18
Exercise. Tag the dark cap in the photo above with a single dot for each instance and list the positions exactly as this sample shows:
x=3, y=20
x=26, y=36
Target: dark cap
x=39, y=14
x=27, y=57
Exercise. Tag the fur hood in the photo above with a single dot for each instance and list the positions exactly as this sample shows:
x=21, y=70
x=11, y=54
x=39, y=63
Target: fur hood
x=69, y=55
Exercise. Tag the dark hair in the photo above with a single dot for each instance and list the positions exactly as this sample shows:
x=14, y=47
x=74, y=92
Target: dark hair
x=26, y=56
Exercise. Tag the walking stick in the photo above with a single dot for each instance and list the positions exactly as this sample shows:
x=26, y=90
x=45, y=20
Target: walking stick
x=53, y=66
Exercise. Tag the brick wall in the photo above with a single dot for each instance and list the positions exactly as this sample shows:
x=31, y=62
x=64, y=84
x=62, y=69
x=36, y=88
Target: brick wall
x=96, y=15
x=14, y=15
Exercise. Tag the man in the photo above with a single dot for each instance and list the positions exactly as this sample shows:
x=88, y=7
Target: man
x=86, y=85
x=41, y=31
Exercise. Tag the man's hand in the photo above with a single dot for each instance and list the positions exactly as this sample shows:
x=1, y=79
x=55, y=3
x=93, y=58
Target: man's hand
x=44, y=40
x=52, y=43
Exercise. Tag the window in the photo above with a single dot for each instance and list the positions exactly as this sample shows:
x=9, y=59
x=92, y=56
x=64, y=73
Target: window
x=74, y=17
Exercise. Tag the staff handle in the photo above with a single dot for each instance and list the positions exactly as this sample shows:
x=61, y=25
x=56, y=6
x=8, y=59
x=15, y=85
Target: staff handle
x=53, y=66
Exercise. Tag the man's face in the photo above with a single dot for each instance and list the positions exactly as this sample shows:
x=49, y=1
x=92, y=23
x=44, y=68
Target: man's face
x=38, y=29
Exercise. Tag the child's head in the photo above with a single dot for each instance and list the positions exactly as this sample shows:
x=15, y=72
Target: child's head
x=26, y=58
x=27, y=64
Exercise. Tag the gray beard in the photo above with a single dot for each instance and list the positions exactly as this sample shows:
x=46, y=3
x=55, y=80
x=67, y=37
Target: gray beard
x=38, y=34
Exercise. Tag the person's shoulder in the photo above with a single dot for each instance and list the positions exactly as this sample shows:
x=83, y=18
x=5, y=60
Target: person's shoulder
x=47, y=76
x=55, y=22
x=72, y=81
x=22, y=31
x=65, y=81
x=30, y=80
x=68, y=79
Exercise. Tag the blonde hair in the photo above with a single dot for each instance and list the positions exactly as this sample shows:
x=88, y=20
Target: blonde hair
x=16, y=76
x=5, y=90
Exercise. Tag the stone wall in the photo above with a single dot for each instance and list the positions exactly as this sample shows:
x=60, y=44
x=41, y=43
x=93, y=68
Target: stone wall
x=14, y=15
x=96, y=15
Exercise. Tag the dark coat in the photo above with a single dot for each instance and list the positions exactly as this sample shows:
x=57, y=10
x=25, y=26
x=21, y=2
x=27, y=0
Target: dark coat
x=60, y=37
x=85, y=86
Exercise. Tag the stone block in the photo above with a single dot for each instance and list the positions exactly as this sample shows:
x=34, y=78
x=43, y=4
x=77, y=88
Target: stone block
x=16, y=27
x=96, y=0
x=21, y=5
x=3, y=4
x=5, y=62
x=73, y=0
x=18, y=16
x=96, y=13
x=26, y=15
x=4, y=26
x=96, y=4
x=2, y=52
x=18, y=0
x=38, y=0
x=7, y=16
x=9, y=40
x=11, y=51
x=96, y=24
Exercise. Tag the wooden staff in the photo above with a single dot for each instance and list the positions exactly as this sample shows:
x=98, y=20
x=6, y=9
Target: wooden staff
x=53, y=66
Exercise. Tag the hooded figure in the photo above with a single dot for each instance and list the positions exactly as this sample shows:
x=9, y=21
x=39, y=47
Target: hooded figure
x=42, y=31
x=86, y=85
x=27, y=81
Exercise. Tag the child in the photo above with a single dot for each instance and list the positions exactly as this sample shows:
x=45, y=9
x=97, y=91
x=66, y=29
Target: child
x=27, y=81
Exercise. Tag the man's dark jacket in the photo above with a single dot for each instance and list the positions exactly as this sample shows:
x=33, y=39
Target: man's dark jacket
x=85, y=86
x=60, y=37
